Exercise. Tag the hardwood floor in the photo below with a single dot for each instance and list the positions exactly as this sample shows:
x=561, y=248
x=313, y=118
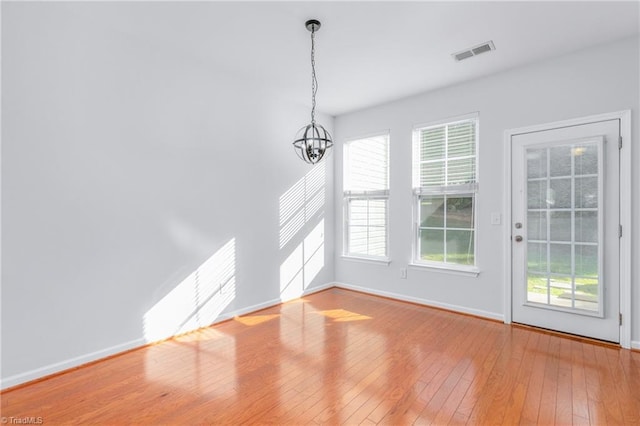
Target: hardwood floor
x=340, y=357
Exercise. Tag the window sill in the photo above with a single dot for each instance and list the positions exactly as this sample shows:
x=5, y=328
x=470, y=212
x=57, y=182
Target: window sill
x=379, y=261
x=469, y=272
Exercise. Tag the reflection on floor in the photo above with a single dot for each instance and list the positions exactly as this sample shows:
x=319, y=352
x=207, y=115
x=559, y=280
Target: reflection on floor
x=341, y=357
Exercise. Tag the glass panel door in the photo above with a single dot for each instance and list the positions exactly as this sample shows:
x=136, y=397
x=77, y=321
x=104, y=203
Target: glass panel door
x=565, y=245
x=564, y=226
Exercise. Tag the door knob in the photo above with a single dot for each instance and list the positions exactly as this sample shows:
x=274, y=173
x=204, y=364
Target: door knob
x=518, y=238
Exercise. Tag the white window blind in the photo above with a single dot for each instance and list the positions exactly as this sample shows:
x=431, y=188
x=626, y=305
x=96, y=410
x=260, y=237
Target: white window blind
x=445, y=188
x=366, y=196
x=446, y=157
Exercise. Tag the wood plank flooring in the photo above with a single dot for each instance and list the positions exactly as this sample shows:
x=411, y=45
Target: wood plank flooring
x=341, y=357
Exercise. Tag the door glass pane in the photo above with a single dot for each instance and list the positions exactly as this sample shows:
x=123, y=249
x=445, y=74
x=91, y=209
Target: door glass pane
x=561, y=293
x=537, y=163
x=563, y=220
x=537, y=225
x=560, y=160
x=537, y=288
x=586, y=295
x=559, y=194
x=587, y=226
x=587, y=192
x=586, y=260
x=536, y=194
x=586, y=159
x=560, y=258
x=560, y=224
x=537, y=257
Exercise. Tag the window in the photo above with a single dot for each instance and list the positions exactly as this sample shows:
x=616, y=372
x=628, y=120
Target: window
x=366, y=197
x=445, y=188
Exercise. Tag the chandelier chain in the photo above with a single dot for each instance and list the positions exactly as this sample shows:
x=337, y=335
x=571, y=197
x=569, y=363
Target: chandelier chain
x=313, y=141
x=314, y=80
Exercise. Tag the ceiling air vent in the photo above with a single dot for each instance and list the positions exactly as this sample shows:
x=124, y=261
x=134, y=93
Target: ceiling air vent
x=473, y=51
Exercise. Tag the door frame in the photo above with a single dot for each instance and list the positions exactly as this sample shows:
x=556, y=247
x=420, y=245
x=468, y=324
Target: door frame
x=625, y=211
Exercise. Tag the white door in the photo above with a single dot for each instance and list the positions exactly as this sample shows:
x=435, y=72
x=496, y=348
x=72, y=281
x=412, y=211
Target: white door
x=565, y=241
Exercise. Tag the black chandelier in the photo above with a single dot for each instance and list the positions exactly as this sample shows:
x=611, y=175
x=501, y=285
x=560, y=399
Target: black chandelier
x=312, y=141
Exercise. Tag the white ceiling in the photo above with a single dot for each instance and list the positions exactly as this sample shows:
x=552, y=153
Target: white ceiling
x=372, y=52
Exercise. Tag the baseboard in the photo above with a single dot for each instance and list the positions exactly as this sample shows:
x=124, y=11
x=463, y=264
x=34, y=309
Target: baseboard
x=269, y=303
x=69, y=364
x=635, y=344
x=73, y=363
x=425, y=302
x=309, y=291
x=264, y=305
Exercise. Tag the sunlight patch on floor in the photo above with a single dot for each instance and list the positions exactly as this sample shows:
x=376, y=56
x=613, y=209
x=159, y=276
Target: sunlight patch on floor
x=203, y=334
x=255, y=319
x=341, y=315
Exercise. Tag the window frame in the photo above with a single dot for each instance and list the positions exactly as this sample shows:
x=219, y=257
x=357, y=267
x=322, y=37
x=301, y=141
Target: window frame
x=350, y=195
x=419, y=193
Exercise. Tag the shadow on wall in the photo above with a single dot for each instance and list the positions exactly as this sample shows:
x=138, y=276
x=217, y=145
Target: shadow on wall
x=302, y=206
x=301, y=202
x=304, y=263
x=203, y=295
x=198, y=300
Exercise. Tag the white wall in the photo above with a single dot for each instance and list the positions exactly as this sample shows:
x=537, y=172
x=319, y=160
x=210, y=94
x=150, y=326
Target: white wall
x=598, y=80
x=126, y=166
